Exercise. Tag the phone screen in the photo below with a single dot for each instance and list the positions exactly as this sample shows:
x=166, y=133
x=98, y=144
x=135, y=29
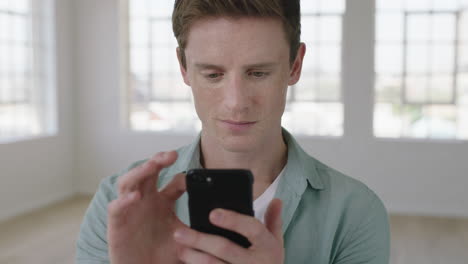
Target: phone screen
x=209, y=189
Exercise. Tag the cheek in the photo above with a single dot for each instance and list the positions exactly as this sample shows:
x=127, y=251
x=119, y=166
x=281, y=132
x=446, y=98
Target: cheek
x=198, y=97
x=271, y=104
x=275, y=98
x=277, y=101
x=205, y=100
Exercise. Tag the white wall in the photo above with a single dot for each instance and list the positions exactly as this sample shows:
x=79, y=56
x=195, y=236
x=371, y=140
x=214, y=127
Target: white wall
x=103, y=147
x=37, y=172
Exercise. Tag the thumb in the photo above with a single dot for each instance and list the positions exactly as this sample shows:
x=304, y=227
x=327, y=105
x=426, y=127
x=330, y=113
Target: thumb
x=273, y=219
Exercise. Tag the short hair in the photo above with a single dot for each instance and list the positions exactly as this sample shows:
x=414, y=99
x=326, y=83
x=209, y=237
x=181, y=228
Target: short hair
x=186, y=12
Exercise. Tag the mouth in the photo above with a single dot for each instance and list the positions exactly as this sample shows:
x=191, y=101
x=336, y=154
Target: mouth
x=238, y=122
x=238, y=126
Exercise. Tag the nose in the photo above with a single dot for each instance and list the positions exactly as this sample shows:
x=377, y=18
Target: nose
x=237, y=95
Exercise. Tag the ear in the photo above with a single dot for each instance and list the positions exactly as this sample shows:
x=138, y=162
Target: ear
x=183, y=69
x=296, y=68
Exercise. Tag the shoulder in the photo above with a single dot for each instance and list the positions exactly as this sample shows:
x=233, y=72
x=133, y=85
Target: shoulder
x=344, y=188
x=359, y=218
x=349, y=202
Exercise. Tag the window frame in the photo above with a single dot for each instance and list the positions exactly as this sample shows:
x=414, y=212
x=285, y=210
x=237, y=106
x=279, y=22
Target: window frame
x=404, y=102
x=41, y=91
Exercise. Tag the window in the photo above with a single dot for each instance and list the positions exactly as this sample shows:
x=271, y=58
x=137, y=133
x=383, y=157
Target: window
x=315, y=105
x=421, y=69
x=26, y=69
x=160, y=101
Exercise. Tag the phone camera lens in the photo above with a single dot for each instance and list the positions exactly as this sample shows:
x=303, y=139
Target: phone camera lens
x=208, y=179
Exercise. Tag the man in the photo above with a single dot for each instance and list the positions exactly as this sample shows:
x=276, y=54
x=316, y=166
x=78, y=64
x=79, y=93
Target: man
x=238, y=57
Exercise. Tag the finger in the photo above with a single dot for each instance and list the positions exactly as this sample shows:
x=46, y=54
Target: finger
x=273, y=219
x=245, y=225
x=163, y=160
x=150, y=169
x=217, y=246
x=119, y=207
x=135, y=177
x=192, y=256
x=175, y=188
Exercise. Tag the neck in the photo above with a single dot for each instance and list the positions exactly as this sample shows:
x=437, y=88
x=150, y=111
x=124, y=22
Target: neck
x=265, y=161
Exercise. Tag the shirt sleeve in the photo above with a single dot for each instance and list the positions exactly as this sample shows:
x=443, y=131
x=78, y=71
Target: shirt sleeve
x=91, y=246
x=368, y=242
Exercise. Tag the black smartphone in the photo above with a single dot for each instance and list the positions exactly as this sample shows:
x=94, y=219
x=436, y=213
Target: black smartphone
x=209, y=189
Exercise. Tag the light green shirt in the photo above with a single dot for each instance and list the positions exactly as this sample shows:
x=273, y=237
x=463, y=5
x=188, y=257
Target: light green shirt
x=327, y=217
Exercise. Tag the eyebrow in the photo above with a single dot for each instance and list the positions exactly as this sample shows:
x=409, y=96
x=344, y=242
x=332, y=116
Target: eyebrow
x=261, y=65
x=217, y=67
x=207, y=66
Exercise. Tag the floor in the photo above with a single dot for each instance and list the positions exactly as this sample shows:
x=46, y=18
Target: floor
x=43, y=237
x=48, y=236
x=429, y=240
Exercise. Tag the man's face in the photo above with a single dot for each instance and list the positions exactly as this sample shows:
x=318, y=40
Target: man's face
x=239, y=71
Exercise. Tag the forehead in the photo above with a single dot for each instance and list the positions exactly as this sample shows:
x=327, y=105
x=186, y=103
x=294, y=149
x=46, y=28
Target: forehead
x=235, y=40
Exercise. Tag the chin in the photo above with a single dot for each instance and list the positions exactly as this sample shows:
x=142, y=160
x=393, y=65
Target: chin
x=238, y=143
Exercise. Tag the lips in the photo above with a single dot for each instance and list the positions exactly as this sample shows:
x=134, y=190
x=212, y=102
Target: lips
x=238, y=126
x=238, y=122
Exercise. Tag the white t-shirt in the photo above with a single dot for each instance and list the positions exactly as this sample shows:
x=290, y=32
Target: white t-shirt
x=261, y=203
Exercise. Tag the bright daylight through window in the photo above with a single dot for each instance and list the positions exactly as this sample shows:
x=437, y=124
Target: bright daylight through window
x=160, y=101
x=27, y=90
x=422, y=69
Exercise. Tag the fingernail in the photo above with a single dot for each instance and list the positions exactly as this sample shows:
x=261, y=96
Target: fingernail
x=216, y=216
x=180, y=235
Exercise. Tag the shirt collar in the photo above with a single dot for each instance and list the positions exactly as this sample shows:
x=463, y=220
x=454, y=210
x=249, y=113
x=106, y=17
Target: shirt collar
x=300, y=167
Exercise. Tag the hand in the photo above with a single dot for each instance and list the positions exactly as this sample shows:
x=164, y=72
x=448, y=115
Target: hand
x=267, y=240
x=141, y=220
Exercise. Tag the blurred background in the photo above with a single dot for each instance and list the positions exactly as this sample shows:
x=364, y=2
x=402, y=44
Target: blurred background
x=88, y=87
